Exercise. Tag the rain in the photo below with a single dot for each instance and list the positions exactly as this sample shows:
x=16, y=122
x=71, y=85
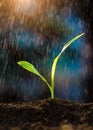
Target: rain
x=35, y=31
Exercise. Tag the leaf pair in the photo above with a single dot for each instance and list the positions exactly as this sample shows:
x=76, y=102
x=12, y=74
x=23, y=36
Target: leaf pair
x=29, y=67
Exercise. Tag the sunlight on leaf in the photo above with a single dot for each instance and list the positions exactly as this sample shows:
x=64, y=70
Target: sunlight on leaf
x=56, y=59
x=71, y=41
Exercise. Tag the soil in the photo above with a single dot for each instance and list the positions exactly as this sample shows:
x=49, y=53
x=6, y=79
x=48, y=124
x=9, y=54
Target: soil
x=46, y=114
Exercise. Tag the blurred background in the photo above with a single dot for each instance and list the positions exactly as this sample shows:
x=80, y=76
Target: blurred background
x=35, y=31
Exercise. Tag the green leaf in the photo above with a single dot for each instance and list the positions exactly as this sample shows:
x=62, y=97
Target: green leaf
x=71, y=41
x=56, y=59
x=30, y=67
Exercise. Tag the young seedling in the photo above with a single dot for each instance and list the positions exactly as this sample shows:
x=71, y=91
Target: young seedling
x=30, y=67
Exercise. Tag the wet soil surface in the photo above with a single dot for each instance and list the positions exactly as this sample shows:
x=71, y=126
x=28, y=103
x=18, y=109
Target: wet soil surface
x=46, y=114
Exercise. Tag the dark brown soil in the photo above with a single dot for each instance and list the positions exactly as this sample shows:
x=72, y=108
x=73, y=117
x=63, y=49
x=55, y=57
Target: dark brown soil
x=46, y=114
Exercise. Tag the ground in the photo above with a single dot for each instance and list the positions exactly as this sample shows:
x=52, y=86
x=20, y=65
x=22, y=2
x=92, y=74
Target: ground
x=46, y=114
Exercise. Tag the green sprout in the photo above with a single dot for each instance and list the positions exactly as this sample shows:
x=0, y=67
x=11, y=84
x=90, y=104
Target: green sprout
x=30, y=67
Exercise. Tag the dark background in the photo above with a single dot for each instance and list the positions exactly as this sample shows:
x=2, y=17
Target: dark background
x=36, y=33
